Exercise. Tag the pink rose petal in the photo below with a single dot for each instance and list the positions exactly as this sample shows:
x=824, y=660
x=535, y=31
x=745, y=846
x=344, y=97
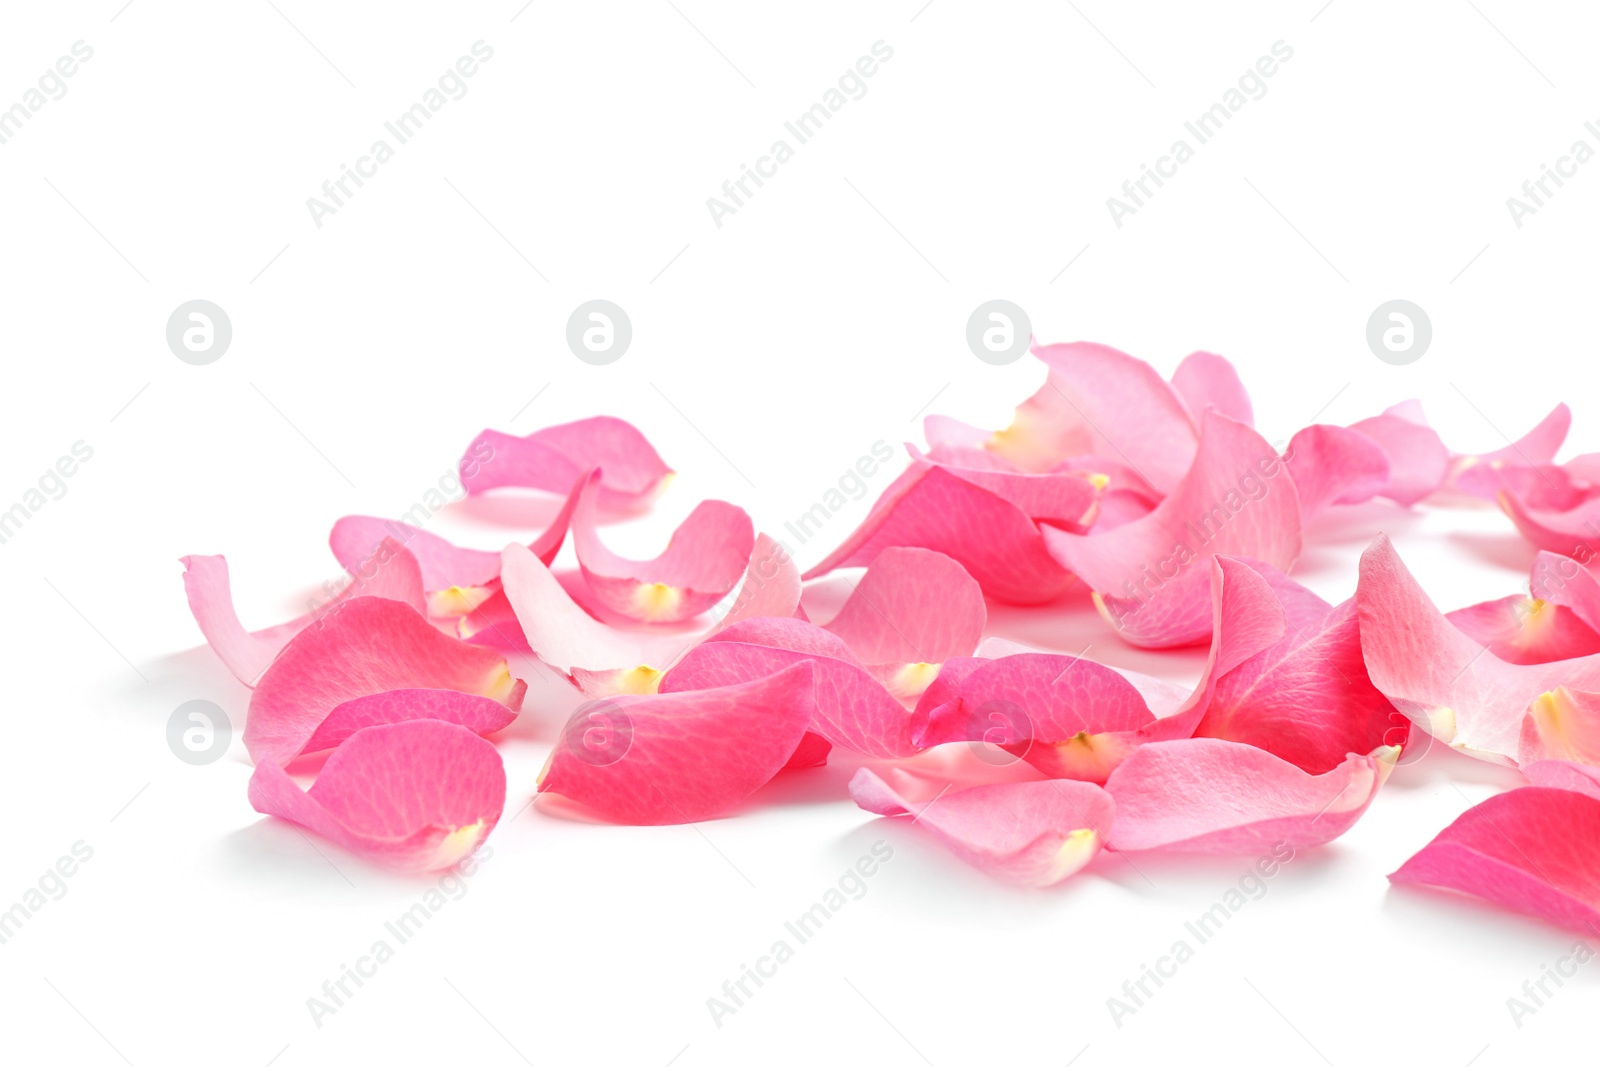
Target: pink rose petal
x=1150, y=577
x=1101, y=402
x=1205, y=380
x=1206, y=795
x=1448, y=684
x=1520, y=629
x=680, y=757
x=366, y=645
x=851, y=707
x=553, y=458
x=1418, y=460
x=1031, y=833
x=480, y=714
x=911, y=611
x=389, y=571
x=705, y=558
x=1334, y=465
x=1306, y=699
x=1533, y=850
x=1564, y=774
x=930, y=506
x=416, y=796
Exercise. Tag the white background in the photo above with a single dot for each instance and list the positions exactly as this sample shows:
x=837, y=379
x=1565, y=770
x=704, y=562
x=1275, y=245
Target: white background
x=768, y=355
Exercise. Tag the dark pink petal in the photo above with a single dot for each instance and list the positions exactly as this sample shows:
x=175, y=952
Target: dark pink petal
x=1564, y=774
x=1061, y=497
x=1031, y=833
x=852, y=708
x=1307, y=698
x=1520, y=629
x=1150, y=577
x=417, y=796
x=389, y=571
x=703, y=561
x=480, y=714
x=1334, y=465
x=931, y=507
x=554, y=458
x=1101, y=402
x=1068, y=716
x=1206, y=795
x=911, y=611
x=1418, y=460
x=366, y=645
x=1445, y=682
x=1533, y=850
x=680, y=757
x=1205, y=380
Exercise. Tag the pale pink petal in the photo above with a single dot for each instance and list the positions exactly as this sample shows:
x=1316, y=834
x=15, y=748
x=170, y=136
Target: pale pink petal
x=1031, y=833
x=1564, y=774
x=704, y=559
x=416, y=796
x=388, y=571
x=1562, y=724
x=771, y=585
x=934, y=508
x=1418, y=460
x=1062, y=497
x=552, y=459
x=680, y=757
x=852, y=708
x=1448, y=684
x=1334, y=465
x=1098, y=401
x=1538, y=445
x=480, y=714
x=1150, y=577
x=365, y=645
x=1566, y=521
x=1206, y=380
x=1533, y=850
x=913, y=608
x=1564, y=582
x=1206, y=795
x=446, y=566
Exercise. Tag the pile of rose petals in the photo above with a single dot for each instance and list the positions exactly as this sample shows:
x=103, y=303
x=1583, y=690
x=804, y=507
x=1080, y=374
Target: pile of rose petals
x=702, y=677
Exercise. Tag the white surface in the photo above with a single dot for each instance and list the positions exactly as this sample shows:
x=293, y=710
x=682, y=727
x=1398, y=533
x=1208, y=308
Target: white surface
x=767, y=357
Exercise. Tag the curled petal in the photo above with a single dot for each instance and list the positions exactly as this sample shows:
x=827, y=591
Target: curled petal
x=553, y=458
x=680, y=757
x=390, y=572
x=703, y=561
x=1535, y=850
x=1150, y=576
x=1205, y=380
x=1334, y=465
x=1031, y=833
x=912, y=606
x=367, y=645
x=1206, y=795
x=416, y=796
